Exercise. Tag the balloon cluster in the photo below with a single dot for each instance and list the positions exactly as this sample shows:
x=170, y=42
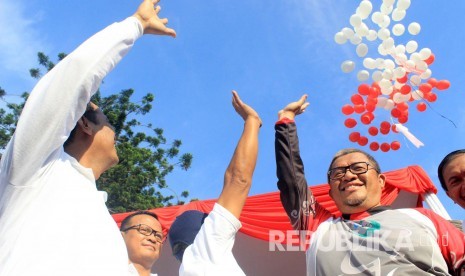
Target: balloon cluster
x=400, y=75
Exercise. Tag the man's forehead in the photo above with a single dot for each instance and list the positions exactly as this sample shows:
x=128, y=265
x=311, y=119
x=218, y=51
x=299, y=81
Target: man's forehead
x=350, y=158
x=146, y=219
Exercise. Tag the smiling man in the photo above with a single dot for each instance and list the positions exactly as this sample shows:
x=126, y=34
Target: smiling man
x=451, y=173
x=143, y=235
x=369, y=239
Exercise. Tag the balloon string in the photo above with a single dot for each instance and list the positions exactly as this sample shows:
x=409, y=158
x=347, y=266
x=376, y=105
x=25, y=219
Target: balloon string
x=435, y=111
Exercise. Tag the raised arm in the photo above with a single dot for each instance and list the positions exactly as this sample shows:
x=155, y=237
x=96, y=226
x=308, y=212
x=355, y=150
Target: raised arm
x=60, y=98
x=296, y=198
x=238, y=175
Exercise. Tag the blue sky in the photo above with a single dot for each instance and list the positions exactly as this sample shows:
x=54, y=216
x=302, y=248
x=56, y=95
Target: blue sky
x=271, y=52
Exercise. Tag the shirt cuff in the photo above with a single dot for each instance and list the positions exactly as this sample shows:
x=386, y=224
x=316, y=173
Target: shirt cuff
x=285, y=121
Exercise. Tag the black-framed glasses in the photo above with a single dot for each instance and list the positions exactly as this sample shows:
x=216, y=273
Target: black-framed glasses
x=147, y=231
x=355, y=168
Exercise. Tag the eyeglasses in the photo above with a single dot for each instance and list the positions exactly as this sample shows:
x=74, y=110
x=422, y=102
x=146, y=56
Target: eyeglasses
x=147, y=231
x=355, y=168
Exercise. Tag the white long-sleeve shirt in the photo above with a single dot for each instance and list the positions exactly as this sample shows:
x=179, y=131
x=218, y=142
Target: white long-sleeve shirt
x=53, y=221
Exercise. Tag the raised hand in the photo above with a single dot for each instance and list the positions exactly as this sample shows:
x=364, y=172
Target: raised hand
x=147, y=13
x=293, y=109
x=243, y=109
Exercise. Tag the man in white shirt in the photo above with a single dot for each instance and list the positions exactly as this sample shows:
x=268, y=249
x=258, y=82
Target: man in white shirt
x=204, y=243
x=143, y=235
x=53, y=221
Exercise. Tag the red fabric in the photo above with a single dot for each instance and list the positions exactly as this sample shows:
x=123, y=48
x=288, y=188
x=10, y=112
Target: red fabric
x=264, y=212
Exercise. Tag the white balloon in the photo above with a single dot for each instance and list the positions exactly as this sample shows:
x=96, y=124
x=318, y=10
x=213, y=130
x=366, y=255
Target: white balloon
x=356, y=39
x=386, y=9
x=397, y=98
x=369, y=63
x=406, y=97
x=425, y=53
x=421, y=66
x=372, y=35
x=415, y=57
x=380, y=63
x=363, y=75
x=384, y=33
x=426, y=75
x=387, y=90
x=403, y=4
x=414, y=28
x=365, y=8
x=388, y=44
x=417, y=95
x=386, y=21
x=377, y=76
x=398, y=15
x=398, y=29
x=381, y=50
x=361, y=50
x=401, y=59
x=384, y=83
x=355, y=20
x=347, y=66
x=415, y=80
x=389, y=64
x=387, y=74
x=340, y=38
x=411, y=46
x=410, y=64
x=389, y=105
x=381, y=102
x=399, y=72
x=398, y=85
x=388, y=2
x=400, y=49
x=377, y=17
x=362, y=30
x=348, y=32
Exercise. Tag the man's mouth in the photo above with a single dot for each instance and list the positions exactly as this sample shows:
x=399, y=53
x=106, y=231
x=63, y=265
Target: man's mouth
x=351, y=187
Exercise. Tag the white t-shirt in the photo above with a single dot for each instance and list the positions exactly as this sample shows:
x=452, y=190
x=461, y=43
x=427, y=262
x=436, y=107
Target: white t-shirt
x=211, y=252
x=53, y=221
x=133, y=271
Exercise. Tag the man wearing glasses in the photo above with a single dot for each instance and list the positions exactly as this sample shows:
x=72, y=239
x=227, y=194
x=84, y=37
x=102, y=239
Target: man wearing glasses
x=143, y=235
x=369, y=239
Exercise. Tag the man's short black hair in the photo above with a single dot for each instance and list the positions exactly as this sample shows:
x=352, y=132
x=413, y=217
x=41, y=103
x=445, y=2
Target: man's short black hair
x=125, y=222
x=91, y=115
x=343, y=152
x=447, y=159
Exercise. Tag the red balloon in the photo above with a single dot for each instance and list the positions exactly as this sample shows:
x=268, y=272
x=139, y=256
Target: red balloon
x=347, y=109
x=364, y=89
x=385, y=147
x=425, y=87
x=402, y=106
x=350, y=122
x=403, y=79
x=430, y=59
x=371, y=100
x=403, y=119
x=370, y=107
x=395, y=145
x=374, y=146
x=433, y=82
x=394, y=129
x=431, y=97
x=385, y=125
x=362, y=141
x=405, y=89
x=357, y=99
x=367, y=117
x=354, y=136
x=395, y=112
x=359, y=108
x=384, y=131
x=421, y=107
x=373, y=131
x=443, y=85
x=374, y=92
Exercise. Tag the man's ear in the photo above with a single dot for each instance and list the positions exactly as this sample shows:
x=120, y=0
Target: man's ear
x=382, y=180
x=84, y=125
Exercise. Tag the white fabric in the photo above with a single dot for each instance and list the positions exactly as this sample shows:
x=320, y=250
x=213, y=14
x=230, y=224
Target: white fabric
x=435, y=204
x=211, y=252
x=53, y=221
x=133, y=271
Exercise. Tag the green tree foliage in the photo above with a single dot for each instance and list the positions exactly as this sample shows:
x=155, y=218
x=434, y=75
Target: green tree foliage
x=146, y=158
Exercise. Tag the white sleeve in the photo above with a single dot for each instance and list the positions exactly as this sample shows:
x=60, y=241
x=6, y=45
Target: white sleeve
x=60, y=98
x=212, y=247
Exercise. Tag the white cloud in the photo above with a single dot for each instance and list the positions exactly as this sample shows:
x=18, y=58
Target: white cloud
x=20, y=40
